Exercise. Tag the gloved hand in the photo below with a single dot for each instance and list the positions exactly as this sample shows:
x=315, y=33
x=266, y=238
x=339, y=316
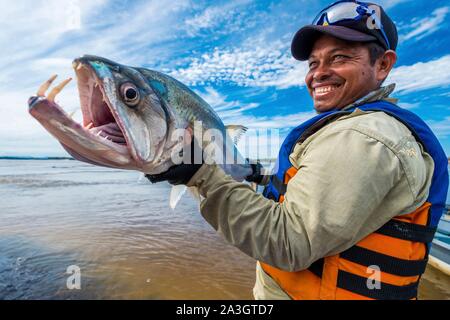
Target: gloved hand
x=256, y=176
x=181, y=173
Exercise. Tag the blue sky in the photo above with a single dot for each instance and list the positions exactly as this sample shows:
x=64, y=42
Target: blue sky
x=235, y=54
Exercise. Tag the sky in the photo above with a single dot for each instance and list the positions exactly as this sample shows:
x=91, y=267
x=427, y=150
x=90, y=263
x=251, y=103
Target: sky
x=234, y=54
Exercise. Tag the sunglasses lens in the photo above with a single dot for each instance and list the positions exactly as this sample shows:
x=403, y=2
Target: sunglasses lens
x=343, y=11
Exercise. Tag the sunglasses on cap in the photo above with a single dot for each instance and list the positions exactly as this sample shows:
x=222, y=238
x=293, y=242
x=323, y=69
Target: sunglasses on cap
x=347, y=11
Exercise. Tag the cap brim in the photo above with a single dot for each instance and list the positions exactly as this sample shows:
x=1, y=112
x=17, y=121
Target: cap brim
x=304, y=39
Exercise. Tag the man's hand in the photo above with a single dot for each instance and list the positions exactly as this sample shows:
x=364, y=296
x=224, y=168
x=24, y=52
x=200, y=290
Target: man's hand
x=256, y=176
x=181, y=173
x=178, y=174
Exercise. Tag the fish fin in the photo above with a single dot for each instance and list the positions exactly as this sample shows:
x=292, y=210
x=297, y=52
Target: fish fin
x=175, y=195
x=195, y=193
x=141, y=177
x=235, y=132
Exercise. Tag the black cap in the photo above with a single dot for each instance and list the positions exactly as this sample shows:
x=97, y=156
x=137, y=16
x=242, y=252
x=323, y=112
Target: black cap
x=357, y=31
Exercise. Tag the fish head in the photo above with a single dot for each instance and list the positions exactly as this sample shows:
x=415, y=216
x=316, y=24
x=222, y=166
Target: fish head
x=111, y=92
x=126, y=123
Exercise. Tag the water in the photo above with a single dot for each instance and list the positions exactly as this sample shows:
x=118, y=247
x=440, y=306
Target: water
x=121, y=232
x=122, y=235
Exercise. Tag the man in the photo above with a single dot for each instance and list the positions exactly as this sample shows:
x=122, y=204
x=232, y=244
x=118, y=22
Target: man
x=353, y=207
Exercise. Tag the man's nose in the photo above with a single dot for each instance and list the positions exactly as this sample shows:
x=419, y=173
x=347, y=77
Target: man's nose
x=321, y=73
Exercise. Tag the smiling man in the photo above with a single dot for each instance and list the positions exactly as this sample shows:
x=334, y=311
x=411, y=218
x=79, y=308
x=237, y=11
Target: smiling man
x=359, y=189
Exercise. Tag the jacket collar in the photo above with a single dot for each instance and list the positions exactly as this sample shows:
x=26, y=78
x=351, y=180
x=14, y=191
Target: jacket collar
x=381, y=93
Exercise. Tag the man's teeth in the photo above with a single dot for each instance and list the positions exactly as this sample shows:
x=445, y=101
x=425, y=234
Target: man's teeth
x=321, y=90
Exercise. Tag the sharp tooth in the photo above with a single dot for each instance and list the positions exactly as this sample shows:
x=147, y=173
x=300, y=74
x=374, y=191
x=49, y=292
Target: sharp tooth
x=90, y=125
x=98, y=133
x=44, y=87
x=52, y=95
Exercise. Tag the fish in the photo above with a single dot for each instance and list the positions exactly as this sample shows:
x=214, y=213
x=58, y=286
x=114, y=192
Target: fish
x=137, y=119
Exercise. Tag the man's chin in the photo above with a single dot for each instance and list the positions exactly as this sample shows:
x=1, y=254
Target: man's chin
x=321, y=107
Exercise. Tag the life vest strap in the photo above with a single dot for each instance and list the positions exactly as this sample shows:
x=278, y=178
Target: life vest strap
x=279, y=185
x=407, y=231
x=359, y=285
x=388, y=264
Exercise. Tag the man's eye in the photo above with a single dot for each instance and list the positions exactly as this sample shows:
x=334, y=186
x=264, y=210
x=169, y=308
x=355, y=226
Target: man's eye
x=312, y=64
x=339, y=57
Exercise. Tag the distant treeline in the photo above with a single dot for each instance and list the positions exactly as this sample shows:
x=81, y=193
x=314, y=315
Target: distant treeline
x=34, y=158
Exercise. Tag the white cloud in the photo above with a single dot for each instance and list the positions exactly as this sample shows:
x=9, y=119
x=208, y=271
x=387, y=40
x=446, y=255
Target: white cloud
x=226, y=109
x=270, y=65
x=409, y=106
x=273, y=66
x=43, y=35
x=265, y=134
x=29, y=28
x=386, y=4
x=20, y=134
x=440, y=128
x=214, y=16
x=426, y=26
x=421, y=75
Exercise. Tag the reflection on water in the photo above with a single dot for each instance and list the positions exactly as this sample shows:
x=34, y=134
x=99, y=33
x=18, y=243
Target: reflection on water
x=122, y=234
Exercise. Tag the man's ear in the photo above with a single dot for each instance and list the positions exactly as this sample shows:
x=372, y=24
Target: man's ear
x=385, y=64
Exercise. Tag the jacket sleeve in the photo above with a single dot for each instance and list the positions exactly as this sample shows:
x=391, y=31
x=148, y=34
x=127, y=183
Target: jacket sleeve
x=337, y=198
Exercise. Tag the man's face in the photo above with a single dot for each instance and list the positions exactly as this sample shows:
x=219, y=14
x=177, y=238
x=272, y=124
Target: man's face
x=339, y=73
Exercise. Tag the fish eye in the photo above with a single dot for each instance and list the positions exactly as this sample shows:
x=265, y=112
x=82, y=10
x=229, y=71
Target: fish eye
x=130, y=94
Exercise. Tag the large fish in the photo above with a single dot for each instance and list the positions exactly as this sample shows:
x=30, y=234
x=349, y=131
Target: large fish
x=132, y=119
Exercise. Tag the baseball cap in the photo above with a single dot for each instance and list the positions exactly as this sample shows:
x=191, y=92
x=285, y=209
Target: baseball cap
x=347, y=20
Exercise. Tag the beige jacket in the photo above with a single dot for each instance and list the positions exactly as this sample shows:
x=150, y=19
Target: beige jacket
x=356, y=174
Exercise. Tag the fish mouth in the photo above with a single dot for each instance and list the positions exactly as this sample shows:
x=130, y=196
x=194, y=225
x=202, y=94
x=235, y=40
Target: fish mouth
x=100, y=139
x=101, y=129
x=99, y=117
